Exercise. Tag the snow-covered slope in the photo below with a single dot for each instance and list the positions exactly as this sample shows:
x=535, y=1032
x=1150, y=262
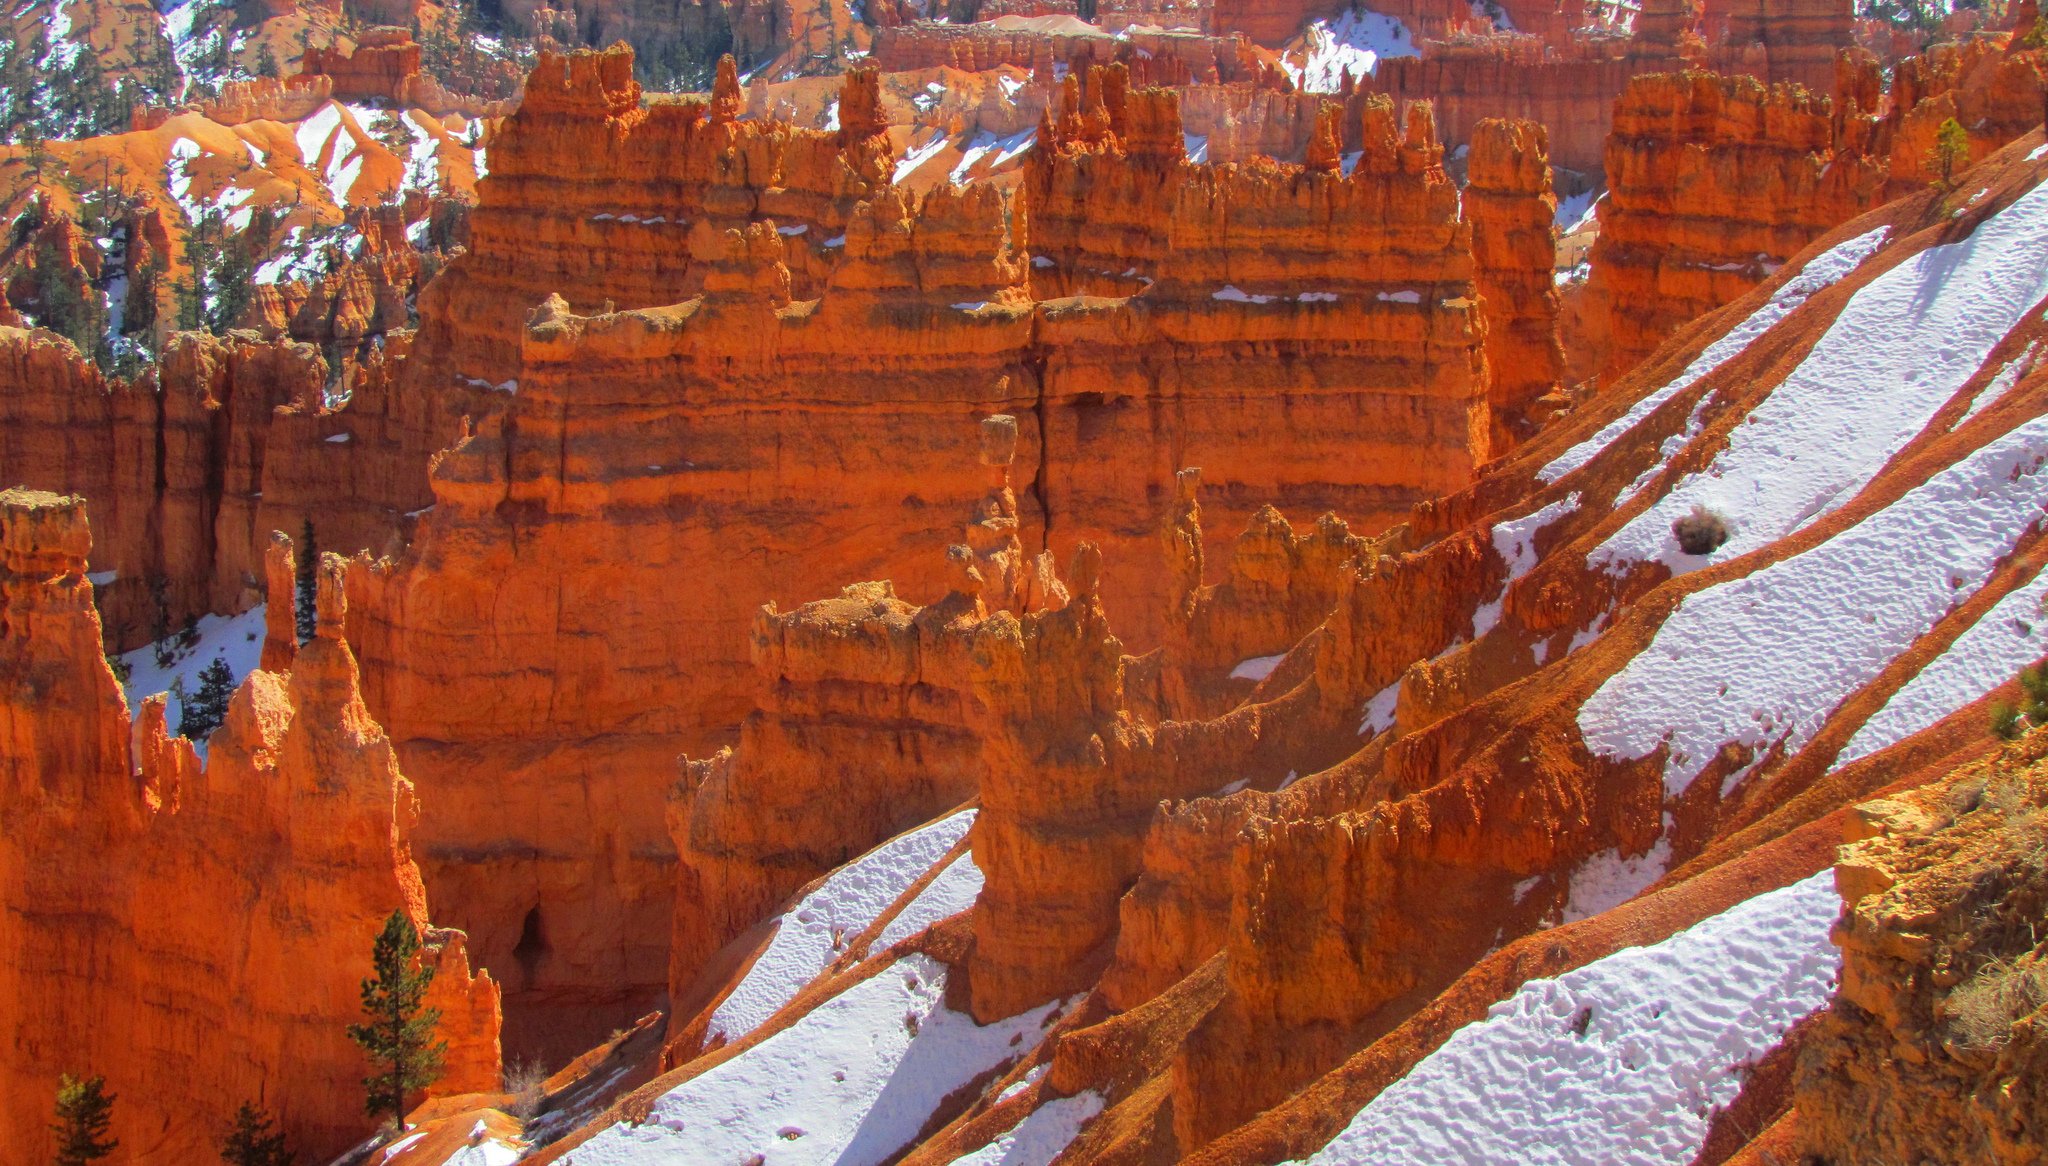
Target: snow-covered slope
x=1621, y=1061
x=1600, y=775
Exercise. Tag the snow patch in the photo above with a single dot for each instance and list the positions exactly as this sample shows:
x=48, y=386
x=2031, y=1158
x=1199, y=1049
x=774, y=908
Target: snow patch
x=918, y=157
x=237, y=639
x=851, y=1082
x=952, y=892
x=1515, y=542
x=1379, y=711
x=1900, y=349
x=1233, y=294
x=1623, y=1061
x=2013, y=634
x=818, y=928
x=1354, y=43
x=1257, y=667
x=1607, y=880
x=1763, y=659
x=1043, y=1134
x=998, y=149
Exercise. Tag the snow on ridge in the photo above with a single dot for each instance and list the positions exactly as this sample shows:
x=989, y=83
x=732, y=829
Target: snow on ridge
x=952, y=892
x=1043, y=1135
x=1621, y=1061
x=1898, y=351
x=1763, y=659
x=1821, y=271
x=1000, y=149
x=851, y=1082
x=1515, y=542
x=814, y=932
x=918, y=157
x=2013, y=634
x=2002, y=383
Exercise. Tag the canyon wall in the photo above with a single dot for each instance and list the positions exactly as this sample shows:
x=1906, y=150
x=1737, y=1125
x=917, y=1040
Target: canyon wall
x=196, y=929
x=755, y=341
x=191, y=466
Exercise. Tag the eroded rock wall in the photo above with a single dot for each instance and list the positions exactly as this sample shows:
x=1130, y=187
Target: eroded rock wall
x=191, y=466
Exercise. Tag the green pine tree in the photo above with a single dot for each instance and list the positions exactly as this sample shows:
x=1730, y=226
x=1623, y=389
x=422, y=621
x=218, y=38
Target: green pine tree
x=399, y=1038
x=306, y=602
x=83, y=1110
x=254, y=1140
x=204, y=712
x=1951, y=149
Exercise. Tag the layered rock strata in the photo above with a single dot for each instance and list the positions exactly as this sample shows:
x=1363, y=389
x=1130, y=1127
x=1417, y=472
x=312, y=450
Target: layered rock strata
x=1508, y=199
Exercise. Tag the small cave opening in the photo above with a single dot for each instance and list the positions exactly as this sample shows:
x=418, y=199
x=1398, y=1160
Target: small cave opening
x=532, y=947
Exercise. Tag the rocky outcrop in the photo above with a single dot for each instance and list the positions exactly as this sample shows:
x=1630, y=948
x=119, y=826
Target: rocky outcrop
x=1570, y=90
x=1508, y=198
x=118, y=859
x=1934, y=1046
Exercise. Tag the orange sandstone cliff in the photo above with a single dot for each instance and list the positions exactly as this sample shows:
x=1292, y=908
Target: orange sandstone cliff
x=717, y=333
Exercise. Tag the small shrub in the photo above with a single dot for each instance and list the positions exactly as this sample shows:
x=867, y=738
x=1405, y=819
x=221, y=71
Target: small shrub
x=2009, y=722
x=526, y=1081
x=1700, y=533
x=119, y=667
x=1981, y=1009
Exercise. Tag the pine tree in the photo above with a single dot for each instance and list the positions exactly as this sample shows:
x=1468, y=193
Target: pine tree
x=306, y=603
x=205, y=711
x=399, y=1038
x=254, y=1141
x=83, y=1109
x=1951, y=149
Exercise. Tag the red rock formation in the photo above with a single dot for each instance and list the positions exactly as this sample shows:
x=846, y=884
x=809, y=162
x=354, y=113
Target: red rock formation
x=1933, y=1046
x=1715, y=180
x=1508, y=199
x=1570, y=92
x=774, y=282
x=863, y=732
x=115, y=867
x=376, y=69
x=1151, y=54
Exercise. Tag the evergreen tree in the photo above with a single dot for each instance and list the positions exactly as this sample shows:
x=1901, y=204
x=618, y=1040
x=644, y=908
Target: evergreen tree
x=1951, y=149
x=399, y=1038
x=205, y=711
x=254, y=1140
x=83, y=1109
x=306, y=603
